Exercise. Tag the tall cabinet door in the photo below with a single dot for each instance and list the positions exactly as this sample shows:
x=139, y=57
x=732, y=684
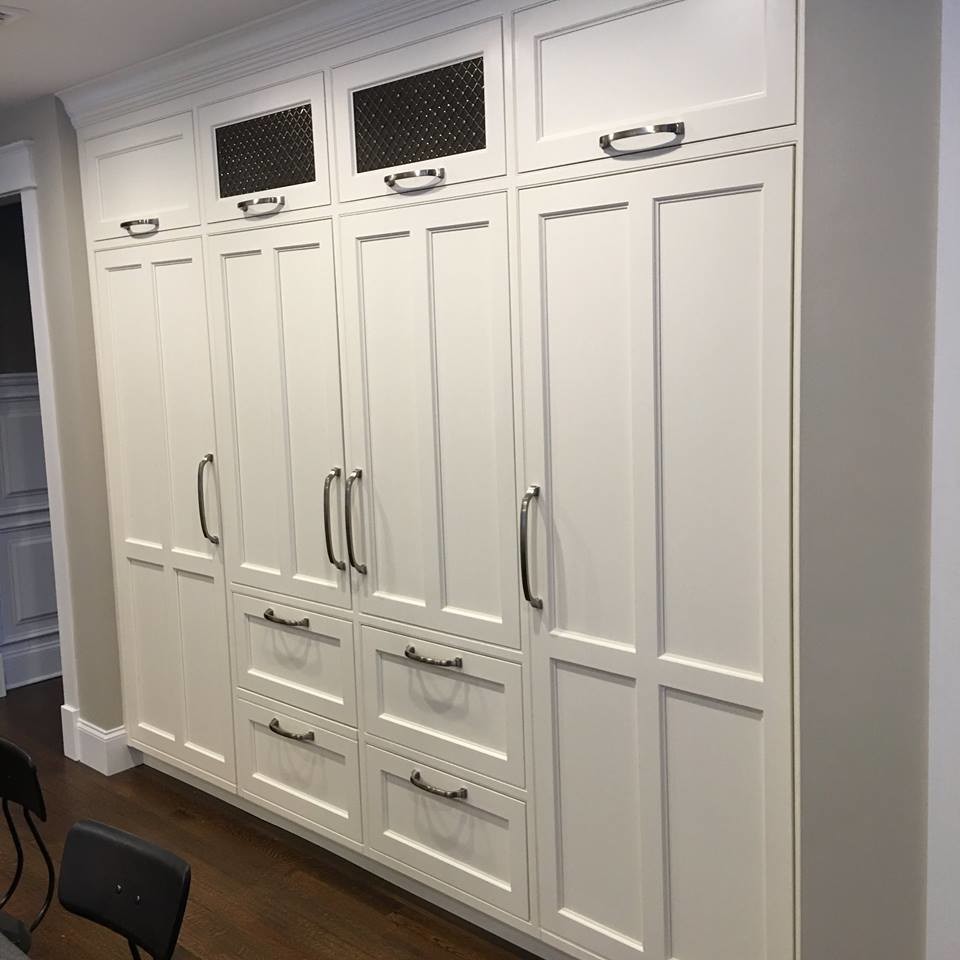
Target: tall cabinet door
x=159, y=427
x=428, y=328
x=656, y=312
x=274, y=310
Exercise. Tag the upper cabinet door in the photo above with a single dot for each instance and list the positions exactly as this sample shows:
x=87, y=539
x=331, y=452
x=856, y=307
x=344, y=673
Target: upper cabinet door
x=649, y=74
x=265, y=152
x=163, y=469
x=277, y=364
x=141, y=180
x=431, y=470
x=422, y=115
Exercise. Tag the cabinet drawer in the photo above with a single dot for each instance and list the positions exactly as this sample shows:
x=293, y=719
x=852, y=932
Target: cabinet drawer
x=719, y=67
x=435, y=104
x=265, y=152
x=307, y=662
x=469, y=712
x=287, y=761
x=476, y=843
x=144, y=173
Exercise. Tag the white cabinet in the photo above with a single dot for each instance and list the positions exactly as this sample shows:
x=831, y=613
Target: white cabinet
x=296, y=655
x=593, y=68
x=274, y=313
x=141, y=180
x=657, y=383
x=289, y=763
x=157, y=404
x=430, y=489
x=454, y=704
x=265, y=151
x=466, y=839
x=421, y=115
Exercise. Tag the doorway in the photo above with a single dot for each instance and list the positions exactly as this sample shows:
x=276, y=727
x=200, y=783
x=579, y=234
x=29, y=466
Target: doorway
x=29, y=633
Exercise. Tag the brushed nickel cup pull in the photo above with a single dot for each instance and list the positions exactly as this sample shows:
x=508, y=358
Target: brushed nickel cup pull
x=532, y=491
x=327, y=531
x=411, y=654
x=299, y=737
x=435, y=173
x=268, y=614
x=246, y=205
x=351, y=550
x=677, y=129
x=152, y=222
x=202, y=500
x=417, y=780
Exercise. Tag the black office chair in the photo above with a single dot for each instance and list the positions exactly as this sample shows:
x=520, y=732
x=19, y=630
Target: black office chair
x=20, y=785
x=125, y=884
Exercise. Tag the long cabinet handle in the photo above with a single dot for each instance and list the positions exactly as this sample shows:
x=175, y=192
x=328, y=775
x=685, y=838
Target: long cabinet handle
x=245, y=205
x=417, y=780
x=327, y=529
x=410, y=653
x=351, y=550
x=532, y=491
x=152, y=222
x=678, y=129
x=202, y=500
x=275, y=727
x=268, y=614
x=434, y=173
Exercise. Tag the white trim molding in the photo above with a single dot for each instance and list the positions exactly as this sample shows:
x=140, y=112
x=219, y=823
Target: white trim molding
x=104, y=750
x=301, y=31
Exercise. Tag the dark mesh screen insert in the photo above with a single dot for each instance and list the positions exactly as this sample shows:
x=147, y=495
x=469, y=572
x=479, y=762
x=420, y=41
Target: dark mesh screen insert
x=275, y=150
x=438, y=113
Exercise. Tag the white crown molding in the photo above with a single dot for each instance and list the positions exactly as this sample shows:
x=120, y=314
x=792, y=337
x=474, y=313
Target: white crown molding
x=301, y=31
x=16, y=167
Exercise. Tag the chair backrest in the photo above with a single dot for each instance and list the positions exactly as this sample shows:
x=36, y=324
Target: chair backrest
x=19, y=782
x=126, y=884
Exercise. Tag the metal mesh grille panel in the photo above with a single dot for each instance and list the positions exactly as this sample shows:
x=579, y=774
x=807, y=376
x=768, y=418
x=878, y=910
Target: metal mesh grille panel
x=438, y=113
x=274, y=150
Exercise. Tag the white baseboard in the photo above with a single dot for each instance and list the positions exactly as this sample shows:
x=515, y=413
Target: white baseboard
x=31, y=661
x=104, y=750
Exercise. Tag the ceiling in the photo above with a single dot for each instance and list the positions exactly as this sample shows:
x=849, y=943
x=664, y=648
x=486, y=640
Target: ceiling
x=58, y=43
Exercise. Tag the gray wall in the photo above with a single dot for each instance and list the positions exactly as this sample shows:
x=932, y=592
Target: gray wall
x=16, y=322
x=865, y=394
x=45, y=122
x=943, y=878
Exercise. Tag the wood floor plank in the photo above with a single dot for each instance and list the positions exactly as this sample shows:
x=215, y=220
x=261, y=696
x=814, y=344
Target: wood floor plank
x=258, y=893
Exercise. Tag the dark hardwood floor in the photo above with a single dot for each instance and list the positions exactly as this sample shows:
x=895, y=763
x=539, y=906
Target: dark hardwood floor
x=258, y=893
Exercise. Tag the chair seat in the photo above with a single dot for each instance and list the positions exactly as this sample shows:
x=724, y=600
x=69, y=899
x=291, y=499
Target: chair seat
x=15, y=931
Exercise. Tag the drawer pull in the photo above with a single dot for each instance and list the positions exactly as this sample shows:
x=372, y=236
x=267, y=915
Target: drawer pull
x=677, y=129
x=202, y=500
x=417, y=780
x=411, y=654
x=152, y=222
x=435, y=173
x=351, y=550
x=327, y=531
x=532, y=491
x=268, y=614
x=299, y=737
x=277, y=202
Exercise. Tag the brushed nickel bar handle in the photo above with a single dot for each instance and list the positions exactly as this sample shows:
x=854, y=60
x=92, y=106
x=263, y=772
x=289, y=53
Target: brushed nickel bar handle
x=277, y=202
x=202, y=500
x=435, y=173
x=411, y=654
x=351, y=550
x=128, y=225
x=327, y=531
x=300, y=737
x=532, y=491
x=268, y=614
x=677, y=128
x=417, y=780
